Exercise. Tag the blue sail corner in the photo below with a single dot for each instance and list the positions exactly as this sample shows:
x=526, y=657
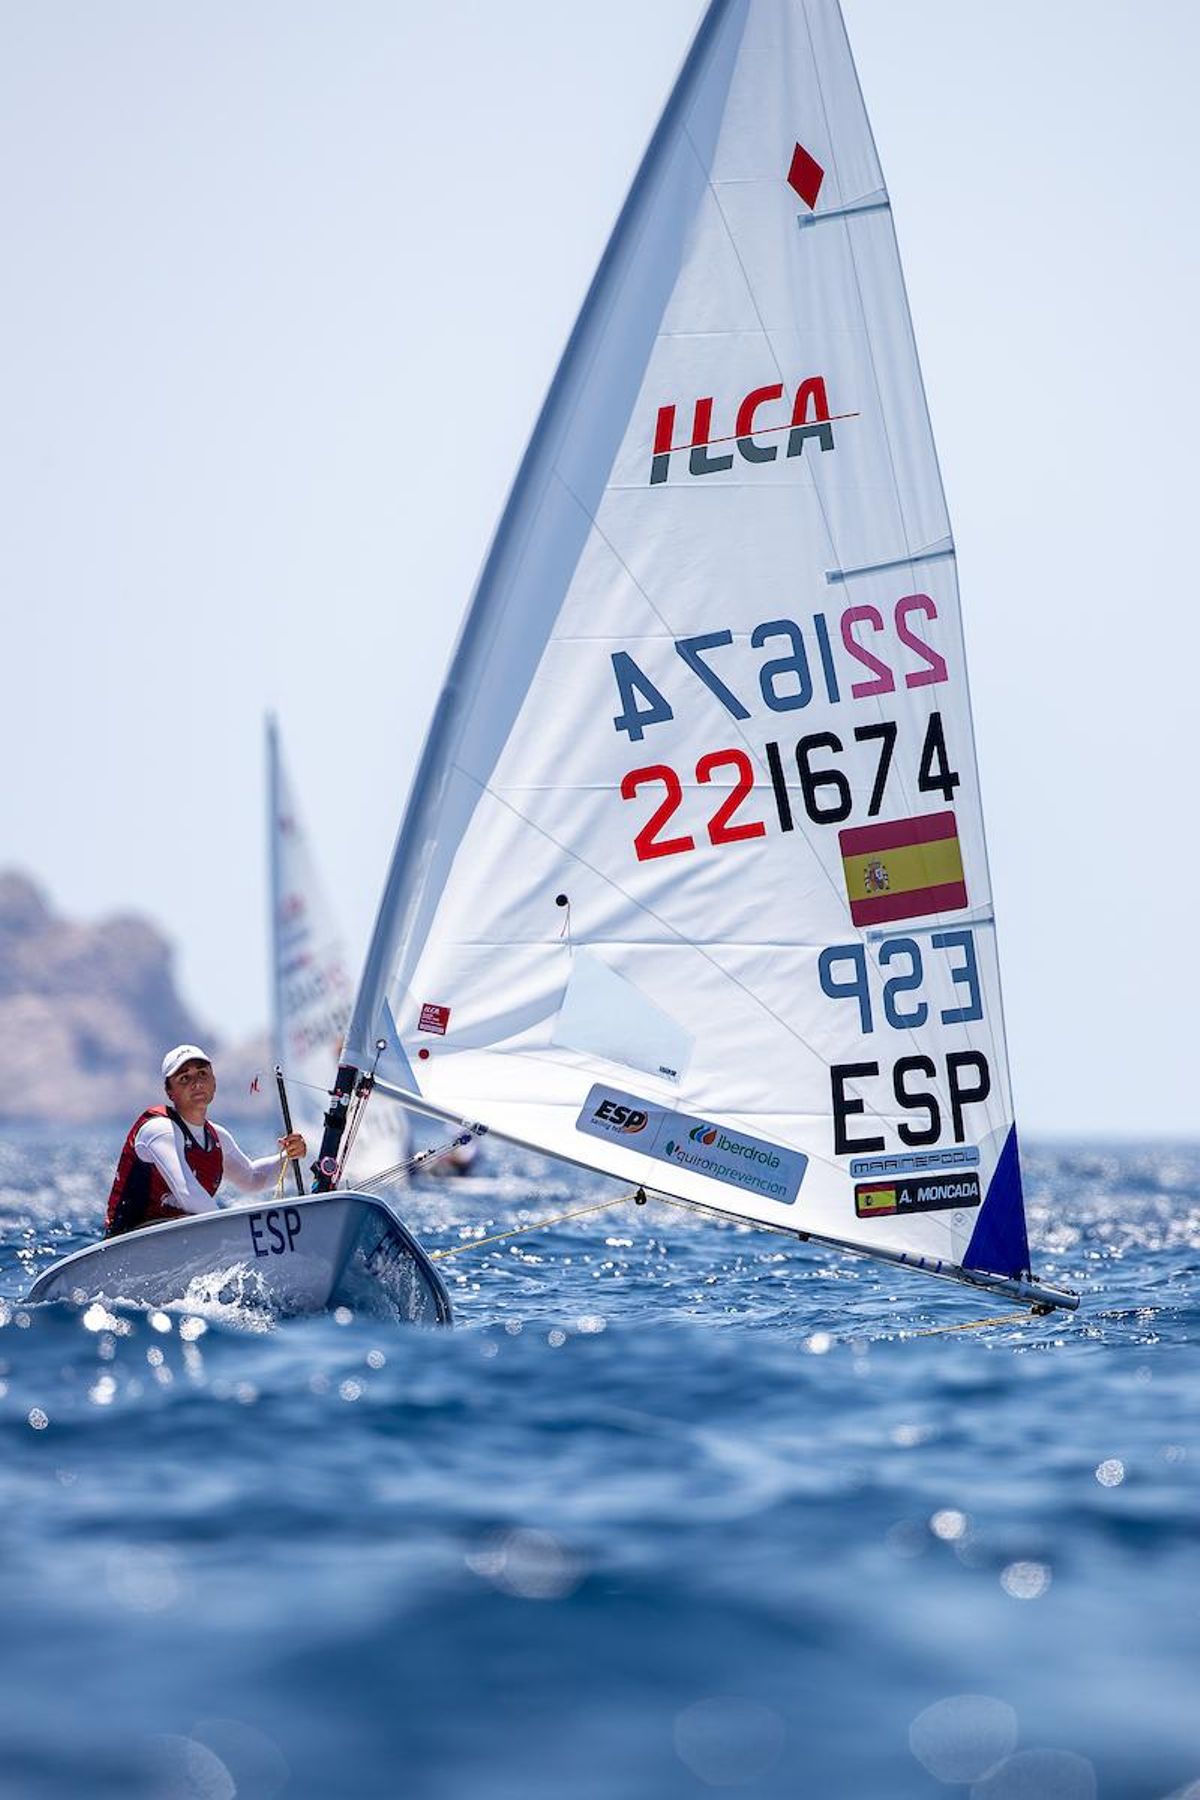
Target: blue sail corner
x=999, y=1243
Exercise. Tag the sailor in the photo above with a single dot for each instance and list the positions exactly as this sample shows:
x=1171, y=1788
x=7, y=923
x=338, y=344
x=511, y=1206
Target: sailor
x=175, y=1158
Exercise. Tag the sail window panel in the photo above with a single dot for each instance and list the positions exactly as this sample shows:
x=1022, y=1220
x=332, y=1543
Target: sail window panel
x=604, y=1014
x=491, y=996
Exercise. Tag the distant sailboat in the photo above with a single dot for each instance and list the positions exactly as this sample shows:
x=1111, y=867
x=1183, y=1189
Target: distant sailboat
x=311, y=987
x=692, y=887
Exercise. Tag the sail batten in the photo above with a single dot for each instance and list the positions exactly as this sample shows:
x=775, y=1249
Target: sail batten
x=692, y=888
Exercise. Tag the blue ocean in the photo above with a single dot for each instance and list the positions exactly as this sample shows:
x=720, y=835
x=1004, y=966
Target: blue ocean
x=676, y=1508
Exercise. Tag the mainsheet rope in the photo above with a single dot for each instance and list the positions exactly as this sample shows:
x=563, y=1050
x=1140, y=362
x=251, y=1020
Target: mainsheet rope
x=640, y=1195
x=539, y=1225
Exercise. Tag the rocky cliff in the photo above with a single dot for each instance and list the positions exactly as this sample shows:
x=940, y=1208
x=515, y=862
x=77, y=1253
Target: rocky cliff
x=86, y=1012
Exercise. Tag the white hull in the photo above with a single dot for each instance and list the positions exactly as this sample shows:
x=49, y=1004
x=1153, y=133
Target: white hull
x=302, y=1255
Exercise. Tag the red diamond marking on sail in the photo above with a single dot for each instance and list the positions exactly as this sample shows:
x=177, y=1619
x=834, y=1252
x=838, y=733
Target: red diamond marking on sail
x=805, y=176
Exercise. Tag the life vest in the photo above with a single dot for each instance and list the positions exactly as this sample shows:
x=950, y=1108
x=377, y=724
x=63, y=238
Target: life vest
x=140, y=1195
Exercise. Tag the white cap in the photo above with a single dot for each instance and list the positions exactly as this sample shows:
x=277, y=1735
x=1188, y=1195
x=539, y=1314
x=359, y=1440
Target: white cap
x=174, y=1060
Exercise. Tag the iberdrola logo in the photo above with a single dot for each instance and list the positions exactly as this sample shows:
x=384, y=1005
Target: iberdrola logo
x=704, y=1134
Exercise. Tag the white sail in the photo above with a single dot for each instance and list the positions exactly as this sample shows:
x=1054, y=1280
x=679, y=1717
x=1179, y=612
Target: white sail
x=311, y=985
x=692, y=885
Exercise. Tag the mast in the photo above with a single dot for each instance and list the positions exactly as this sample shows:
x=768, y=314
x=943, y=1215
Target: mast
x=275, y=886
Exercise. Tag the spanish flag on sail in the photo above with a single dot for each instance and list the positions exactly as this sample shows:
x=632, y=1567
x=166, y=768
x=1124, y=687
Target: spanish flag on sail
x=904, y=869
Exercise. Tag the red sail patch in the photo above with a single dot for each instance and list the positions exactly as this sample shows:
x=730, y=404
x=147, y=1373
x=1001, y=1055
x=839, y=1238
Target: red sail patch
x=805, y=176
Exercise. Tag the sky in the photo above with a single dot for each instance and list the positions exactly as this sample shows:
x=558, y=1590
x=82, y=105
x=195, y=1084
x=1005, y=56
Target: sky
x=285, y=284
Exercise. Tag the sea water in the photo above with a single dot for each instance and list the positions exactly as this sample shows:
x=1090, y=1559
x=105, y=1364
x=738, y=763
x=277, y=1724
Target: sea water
x=677, y=1508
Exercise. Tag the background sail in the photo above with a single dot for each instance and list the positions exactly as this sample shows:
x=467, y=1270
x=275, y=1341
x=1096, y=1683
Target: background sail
x=692, y=885
x=311, y=986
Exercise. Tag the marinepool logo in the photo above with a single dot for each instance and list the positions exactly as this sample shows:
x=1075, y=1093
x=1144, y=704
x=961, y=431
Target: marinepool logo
x=695, y=1144
x=758, y=424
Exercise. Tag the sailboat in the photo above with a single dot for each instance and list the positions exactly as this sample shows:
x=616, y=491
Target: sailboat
x=311, y=985
x=691, y=888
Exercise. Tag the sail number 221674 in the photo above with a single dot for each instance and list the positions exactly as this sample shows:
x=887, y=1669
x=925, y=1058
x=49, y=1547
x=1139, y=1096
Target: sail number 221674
x=826, y=791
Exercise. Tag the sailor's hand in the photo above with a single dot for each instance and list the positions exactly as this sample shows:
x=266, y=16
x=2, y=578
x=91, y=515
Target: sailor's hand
x=293, y=1145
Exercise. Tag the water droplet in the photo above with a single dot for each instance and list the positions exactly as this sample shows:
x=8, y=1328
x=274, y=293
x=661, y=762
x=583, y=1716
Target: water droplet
x=186, y=1770
x=728, y=1741
x=1025, y=1580
x=143, y=1579
x=1046, y=1774
x=531, y=1565
x=962, y=1737
x=949, y=1524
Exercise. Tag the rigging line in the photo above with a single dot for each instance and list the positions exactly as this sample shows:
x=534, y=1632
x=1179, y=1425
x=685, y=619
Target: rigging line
x=1020, y=1318
x=700, y=1208
x=411, y=1165
x=311, y=1087
x=539, y=1225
